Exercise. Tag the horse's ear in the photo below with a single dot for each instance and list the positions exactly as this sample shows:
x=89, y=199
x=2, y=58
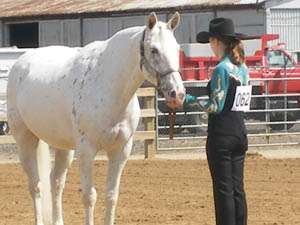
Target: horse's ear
x=174, y=21
x=152, y=20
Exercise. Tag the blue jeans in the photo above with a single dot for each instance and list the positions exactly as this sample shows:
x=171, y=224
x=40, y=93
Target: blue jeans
x=226, y=155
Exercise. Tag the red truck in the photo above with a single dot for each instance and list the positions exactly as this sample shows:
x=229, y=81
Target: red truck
x=273, y=73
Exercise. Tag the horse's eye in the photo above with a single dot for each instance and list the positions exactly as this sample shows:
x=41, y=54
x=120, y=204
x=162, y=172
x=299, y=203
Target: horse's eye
x=154, y=51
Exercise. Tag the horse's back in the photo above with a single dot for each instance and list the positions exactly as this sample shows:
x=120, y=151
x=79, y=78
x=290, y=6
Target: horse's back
x=38, y=90
x=45, y=61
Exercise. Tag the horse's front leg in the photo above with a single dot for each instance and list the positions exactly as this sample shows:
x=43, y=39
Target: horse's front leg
x=116, y=162
x=86, y=163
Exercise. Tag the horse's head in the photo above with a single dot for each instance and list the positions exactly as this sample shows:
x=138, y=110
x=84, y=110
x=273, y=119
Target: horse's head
x=160, y=58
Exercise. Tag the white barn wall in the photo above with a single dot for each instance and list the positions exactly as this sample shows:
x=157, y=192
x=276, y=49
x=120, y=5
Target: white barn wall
x=191, y=24
x=132, y=21
x=286, y=23
x=186, y=32
x=59, y=32
x=283, y=19
x=103, y=28
x=1, y=34
x=95, y=29
x=202, y=21
x=50, y=33
x=247, y=21
x=115, y=24
x=67, y=31
x=251, y=21
x=71, y=32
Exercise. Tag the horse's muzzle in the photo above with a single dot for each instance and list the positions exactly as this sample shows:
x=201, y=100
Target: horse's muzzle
x=173, y=90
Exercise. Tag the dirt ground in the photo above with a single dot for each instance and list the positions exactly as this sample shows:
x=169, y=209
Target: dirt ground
x=176, y=192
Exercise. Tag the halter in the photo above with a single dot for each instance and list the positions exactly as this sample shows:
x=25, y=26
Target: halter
x=145, y=63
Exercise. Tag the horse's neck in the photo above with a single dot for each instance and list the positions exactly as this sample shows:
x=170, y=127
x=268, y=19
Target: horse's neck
x=124, y=75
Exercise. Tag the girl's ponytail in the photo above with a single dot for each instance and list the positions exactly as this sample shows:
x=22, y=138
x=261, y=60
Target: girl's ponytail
x=235, y=51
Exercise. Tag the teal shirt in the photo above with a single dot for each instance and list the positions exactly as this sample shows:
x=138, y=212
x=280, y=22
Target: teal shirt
x=219, y=84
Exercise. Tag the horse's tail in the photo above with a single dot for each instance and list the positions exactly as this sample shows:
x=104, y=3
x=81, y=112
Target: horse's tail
x=44, y=168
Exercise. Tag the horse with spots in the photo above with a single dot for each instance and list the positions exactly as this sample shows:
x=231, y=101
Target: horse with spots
x=84, y=99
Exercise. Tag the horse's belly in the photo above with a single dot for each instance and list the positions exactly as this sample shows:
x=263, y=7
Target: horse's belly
x=46, y=113
x=53, y=128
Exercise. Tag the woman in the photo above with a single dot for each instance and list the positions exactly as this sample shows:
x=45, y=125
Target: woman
x=227, y=136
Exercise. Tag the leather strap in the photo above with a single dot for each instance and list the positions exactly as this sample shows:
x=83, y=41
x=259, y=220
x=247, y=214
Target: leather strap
x=172, y=115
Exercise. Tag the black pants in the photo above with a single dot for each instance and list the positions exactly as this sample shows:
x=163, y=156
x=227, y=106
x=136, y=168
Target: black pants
x=226, y=155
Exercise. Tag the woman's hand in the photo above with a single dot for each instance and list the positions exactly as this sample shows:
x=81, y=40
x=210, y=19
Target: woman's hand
x=173, y=105
x=191, y=104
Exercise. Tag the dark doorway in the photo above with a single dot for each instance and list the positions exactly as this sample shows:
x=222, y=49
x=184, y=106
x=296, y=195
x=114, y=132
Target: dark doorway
x=24, y=35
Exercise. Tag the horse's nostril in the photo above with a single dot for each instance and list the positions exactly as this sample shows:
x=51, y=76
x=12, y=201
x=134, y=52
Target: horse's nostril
x=173, y=94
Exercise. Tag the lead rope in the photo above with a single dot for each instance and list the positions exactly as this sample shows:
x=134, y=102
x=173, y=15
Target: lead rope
x=172, y=114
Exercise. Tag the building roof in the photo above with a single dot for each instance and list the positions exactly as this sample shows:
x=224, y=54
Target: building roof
x=37, y=8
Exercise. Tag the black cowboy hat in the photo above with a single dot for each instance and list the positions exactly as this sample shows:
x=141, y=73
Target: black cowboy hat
x=219, y=27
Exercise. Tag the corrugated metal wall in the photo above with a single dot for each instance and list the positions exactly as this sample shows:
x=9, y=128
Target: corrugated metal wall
x=68, y=31
x=247, y=21
x=286, y=23
x=59, y=32
x=1, y=33
x=103, y=28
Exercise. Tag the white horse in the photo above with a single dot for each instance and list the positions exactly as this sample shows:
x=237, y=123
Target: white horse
x=84, y=99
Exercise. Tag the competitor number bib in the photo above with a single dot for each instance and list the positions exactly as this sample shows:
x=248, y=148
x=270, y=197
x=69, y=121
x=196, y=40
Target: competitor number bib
x=242, y=98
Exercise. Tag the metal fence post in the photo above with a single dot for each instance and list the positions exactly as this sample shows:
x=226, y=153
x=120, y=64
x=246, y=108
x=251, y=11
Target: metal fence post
x=285, y=98
x=267, y=107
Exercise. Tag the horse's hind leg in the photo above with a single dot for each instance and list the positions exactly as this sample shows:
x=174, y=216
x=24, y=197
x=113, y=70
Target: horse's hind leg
x=116, y=162
x=63, y=159
x=28, y=144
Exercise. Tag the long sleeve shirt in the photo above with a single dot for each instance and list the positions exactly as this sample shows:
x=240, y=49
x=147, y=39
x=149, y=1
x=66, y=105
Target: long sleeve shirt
x=219, y=84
